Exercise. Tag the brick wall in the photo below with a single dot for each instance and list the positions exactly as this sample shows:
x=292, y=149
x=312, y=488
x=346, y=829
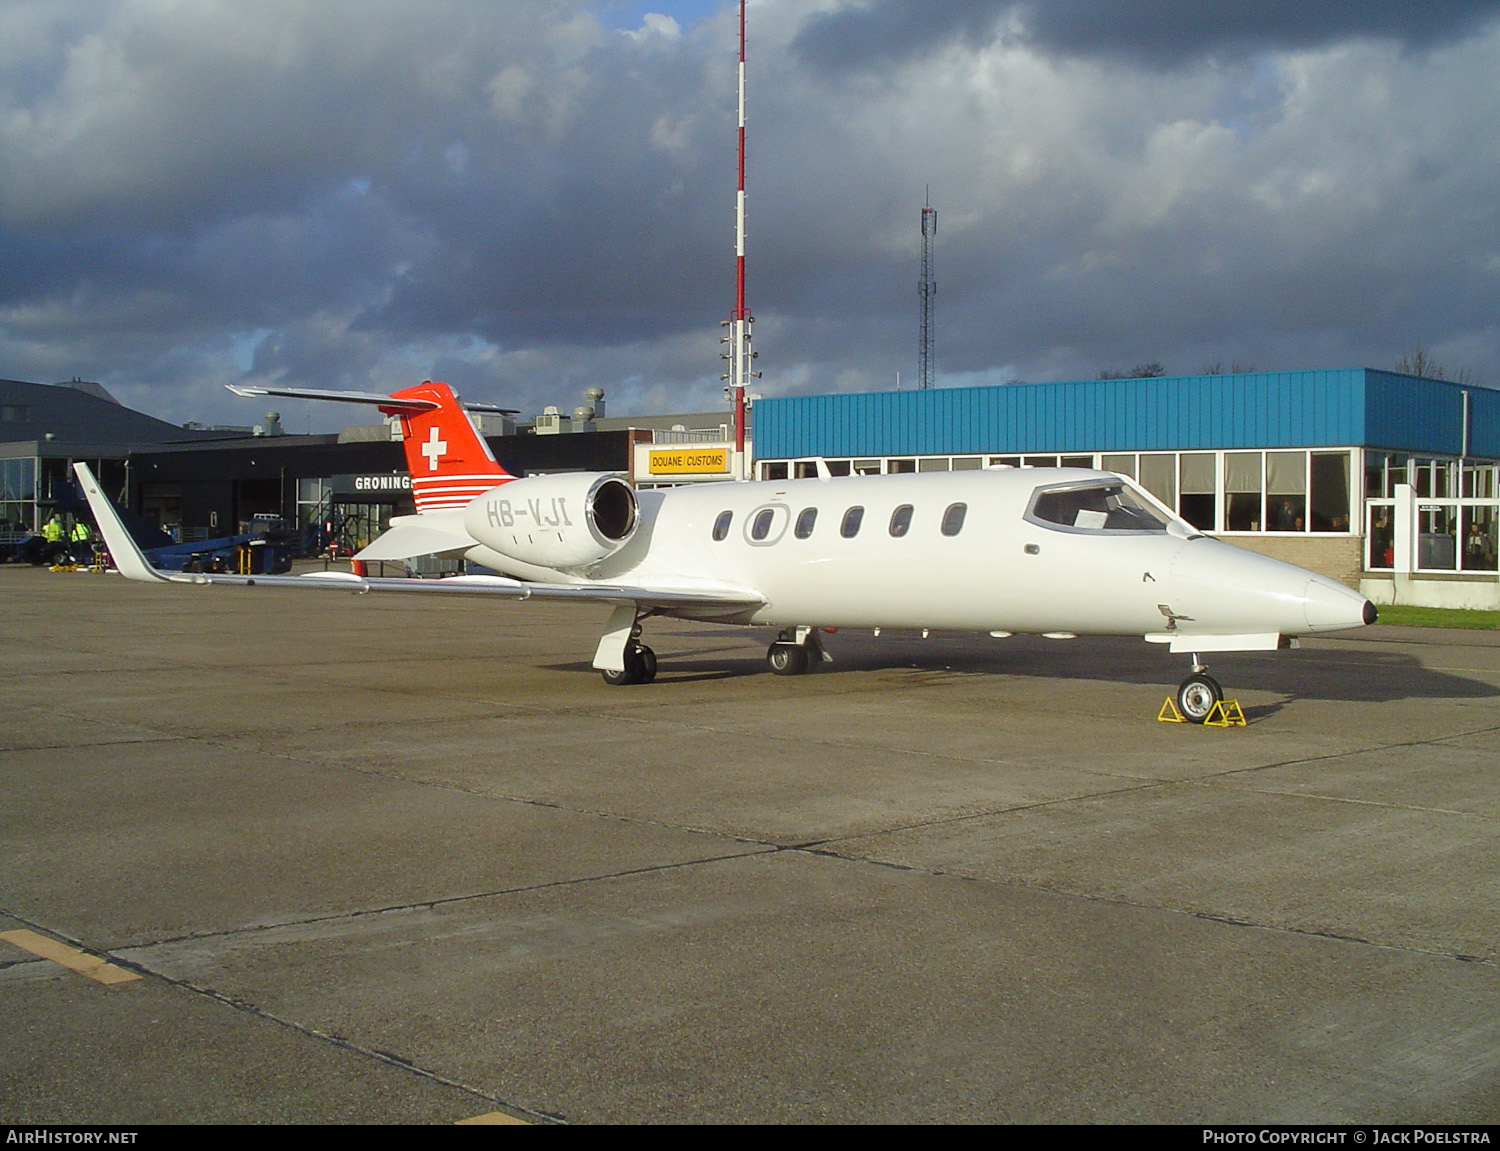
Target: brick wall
x=1338, y=557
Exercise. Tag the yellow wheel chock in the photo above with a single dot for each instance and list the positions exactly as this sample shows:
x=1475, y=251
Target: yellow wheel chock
x=1225, y=713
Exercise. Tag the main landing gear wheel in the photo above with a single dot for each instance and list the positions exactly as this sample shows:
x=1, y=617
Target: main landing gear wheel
x=1197, y=695
x=640, y=667
x=787, y=658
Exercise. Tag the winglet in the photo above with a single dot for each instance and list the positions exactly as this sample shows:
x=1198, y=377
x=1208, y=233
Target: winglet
x=122, y=548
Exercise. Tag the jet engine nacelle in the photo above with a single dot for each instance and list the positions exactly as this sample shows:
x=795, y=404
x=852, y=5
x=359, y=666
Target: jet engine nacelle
x=564, y=522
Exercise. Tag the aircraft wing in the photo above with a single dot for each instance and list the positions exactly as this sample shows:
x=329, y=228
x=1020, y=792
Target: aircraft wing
x=134, y=565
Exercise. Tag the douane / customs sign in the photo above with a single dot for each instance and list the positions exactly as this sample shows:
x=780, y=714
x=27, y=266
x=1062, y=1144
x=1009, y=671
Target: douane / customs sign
x=687, y=461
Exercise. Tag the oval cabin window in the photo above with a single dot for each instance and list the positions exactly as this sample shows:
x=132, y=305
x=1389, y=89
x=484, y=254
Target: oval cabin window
x=953, y=519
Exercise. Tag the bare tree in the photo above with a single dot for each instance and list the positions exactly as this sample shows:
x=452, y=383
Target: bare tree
x=1419, y=362
x=1139, y=372
x=1217, y=368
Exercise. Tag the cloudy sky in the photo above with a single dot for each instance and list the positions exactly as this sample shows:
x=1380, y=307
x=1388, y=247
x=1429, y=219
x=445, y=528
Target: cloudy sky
x=530, y=198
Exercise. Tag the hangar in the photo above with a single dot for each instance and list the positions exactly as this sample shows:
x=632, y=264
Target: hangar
x=1382, y=480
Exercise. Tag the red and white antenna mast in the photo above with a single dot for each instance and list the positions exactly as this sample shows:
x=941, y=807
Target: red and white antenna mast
x=740, y=355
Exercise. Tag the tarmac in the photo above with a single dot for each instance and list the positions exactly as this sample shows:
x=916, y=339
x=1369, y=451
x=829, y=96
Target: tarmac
x=360, y=859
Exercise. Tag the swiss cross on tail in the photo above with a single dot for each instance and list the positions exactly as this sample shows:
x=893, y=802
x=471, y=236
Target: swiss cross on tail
x=449, y=461
x=433, y=449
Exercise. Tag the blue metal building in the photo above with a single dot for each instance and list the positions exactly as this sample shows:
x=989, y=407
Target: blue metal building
x=1319, y=467
x=1345, y=407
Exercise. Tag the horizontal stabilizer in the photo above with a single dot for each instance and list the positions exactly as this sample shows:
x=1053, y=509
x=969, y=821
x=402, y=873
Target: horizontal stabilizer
x=389, y=403
x=411, y=540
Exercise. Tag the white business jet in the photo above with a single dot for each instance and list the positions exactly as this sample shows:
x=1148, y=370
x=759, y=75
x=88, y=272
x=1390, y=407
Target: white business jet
x=1054, y=551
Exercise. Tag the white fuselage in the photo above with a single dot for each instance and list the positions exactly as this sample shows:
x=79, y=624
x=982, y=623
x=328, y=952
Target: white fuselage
x=1004, y=567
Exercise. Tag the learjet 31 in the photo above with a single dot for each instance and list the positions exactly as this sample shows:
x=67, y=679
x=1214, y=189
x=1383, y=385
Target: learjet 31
x=1059, y=552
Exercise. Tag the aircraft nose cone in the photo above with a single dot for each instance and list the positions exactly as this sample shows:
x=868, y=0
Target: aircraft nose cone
x=1330, y=606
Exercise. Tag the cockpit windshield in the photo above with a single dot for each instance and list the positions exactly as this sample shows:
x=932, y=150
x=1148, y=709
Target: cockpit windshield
x=1101, y=506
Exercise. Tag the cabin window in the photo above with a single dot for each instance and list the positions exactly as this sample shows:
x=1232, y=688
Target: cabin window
x=721, y=525
x=765, y=525
x=852, y=519
x=953, y=519
x=901, y=521
x=805, y=521
x=1097, y=507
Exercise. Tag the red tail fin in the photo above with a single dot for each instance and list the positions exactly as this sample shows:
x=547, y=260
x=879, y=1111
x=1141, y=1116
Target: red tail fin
x=448, y=459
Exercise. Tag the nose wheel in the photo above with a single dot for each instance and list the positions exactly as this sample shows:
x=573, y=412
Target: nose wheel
x=1197, y=695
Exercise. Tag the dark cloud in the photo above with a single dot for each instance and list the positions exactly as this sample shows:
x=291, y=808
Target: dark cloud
x=1173, y=32
x=529, y=201
x=885, y=32
x=882, y=33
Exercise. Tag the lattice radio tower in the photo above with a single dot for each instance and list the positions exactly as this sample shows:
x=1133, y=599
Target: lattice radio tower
x=927, y=290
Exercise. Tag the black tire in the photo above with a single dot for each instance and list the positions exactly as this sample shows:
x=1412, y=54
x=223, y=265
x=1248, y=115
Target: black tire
x=648, y=663
x=640, y=667
x=787, y=658
x=1197, y=695
x=617, y=678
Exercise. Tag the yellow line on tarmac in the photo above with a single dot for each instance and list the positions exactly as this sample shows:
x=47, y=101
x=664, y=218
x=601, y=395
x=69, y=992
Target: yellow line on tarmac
x=82, y=962
x=492, y=1117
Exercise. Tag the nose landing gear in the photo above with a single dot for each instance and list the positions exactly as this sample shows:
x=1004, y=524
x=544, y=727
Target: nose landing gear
x=1198, y=694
